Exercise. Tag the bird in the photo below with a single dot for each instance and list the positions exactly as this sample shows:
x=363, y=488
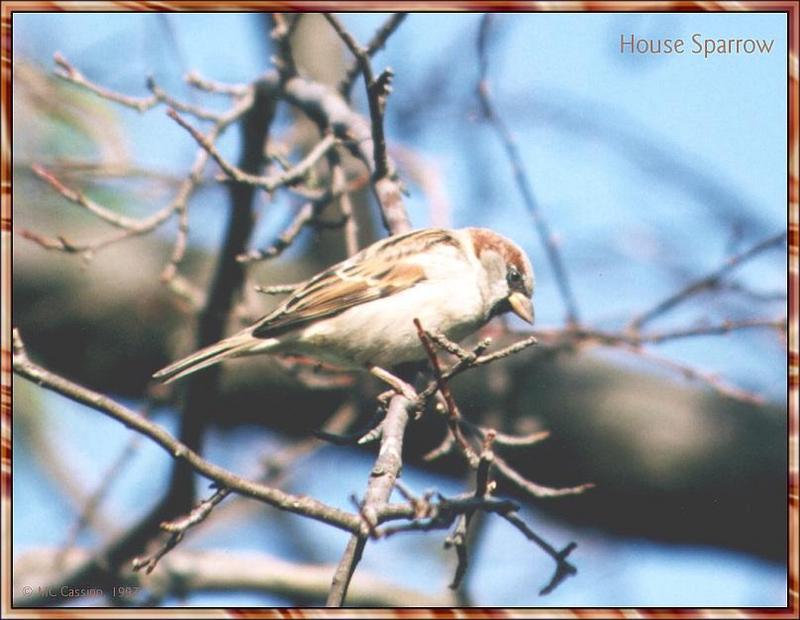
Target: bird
x=359, y=313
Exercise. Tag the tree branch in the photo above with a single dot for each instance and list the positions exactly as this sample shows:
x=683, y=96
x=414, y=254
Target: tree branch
x=192, y=571
x=302, y=505
x=708, y=281
x=379, y=488
x=131, y=227
x=521, y=177
x=385, y=184
x=267, y=183
x=375, y=44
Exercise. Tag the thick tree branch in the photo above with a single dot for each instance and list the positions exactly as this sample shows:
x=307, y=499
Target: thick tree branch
x=373, y=511
x=226, y=284
x=193, y=571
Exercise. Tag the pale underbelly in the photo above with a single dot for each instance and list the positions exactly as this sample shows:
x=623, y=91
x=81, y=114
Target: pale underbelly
x=382, y=333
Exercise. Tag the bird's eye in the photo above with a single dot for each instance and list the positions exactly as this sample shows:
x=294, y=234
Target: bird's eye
x=514, y=277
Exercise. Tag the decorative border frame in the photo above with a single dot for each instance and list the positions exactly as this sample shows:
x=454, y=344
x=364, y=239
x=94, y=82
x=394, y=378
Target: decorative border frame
x=790, y=7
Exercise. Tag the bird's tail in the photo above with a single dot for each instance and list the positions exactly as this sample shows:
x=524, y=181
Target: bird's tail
x=234, y=346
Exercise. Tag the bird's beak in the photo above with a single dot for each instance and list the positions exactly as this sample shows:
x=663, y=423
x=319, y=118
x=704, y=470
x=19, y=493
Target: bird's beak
x=521, y=306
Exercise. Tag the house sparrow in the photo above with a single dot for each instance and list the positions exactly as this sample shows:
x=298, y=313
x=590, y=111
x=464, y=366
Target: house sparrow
x=359, y=313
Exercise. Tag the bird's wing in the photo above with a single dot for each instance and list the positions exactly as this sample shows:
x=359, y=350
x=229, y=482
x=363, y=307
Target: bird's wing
x=380, y=270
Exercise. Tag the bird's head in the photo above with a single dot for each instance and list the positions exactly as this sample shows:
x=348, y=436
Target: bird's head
x=509, y=279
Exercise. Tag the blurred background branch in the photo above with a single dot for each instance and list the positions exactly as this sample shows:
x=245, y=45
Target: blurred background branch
x=619, y=296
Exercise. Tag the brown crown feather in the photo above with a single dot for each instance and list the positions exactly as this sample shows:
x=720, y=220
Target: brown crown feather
x=484, y=239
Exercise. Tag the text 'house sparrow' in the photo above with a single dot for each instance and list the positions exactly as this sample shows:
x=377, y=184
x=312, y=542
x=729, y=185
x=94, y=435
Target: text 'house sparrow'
x=359, y=313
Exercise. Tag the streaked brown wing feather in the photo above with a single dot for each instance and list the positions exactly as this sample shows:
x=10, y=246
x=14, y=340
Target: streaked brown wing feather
x=361, y=279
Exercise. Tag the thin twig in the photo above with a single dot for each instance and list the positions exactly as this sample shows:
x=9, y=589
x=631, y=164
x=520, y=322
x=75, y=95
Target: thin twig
x=709, y=281
x=487, y=435
x=210, y=86
x=452, y=347
x=713, y=330
x=579, y=335
x=68, y=72
x=633, y=343
x=131, y=227
x=187, y=108
x=476, y=358
x=194, y=297
x=458, y=540
x=107, y=215
x=177, y=529
x=693, y=374
x=304, y=215
x=267, y=183
x=94, y=501
x=445, y=447
x=563, y=568
x=309, y=215
x=375, y=44
x=536, y=490
x=441, y=514
x=158, y=96
x=502, y=439
x=452, y=408
x=307, y=506
x=512, y=349
x=521, y=177
x=385, y=185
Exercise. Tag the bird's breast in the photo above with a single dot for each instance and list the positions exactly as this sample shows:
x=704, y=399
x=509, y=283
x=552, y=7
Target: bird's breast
x=382, y=332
